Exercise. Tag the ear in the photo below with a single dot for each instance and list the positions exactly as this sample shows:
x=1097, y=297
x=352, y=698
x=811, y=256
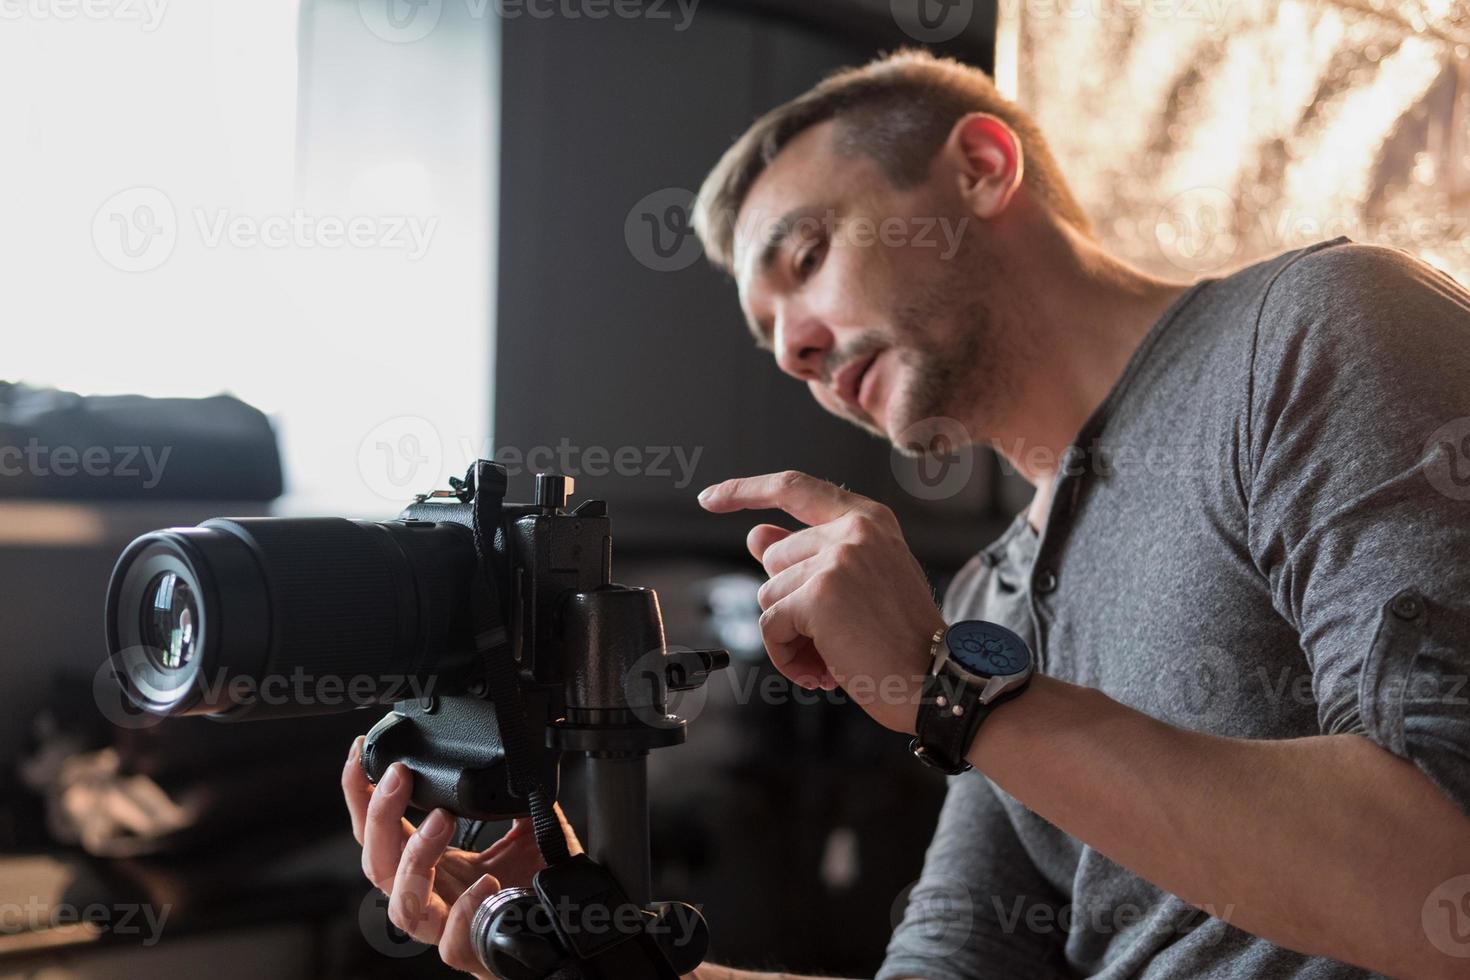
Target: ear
x=987, y=156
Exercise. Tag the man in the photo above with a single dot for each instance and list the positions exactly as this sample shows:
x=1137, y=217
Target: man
x=1244, y=579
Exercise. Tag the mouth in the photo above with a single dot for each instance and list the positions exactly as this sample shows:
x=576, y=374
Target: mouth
x=867, y=381
x=847, y=384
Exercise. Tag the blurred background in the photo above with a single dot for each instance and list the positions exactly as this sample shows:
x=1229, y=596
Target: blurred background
x=314, y=256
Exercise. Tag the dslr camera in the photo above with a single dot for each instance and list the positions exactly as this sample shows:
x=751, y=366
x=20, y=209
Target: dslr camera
x=497, y=635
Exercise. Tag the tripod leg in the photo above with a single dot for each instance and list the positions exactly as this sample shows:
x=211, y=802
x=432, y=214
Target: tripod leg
x=617, y=806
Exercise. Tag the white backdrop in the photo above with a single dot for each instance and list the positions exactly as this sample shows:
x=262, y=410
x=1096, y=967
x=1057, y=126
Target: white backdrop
x=240, y=195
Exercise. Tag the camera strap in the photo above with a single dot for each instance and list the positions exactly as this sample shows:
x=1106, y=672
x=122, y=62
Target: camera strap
x=487, y=482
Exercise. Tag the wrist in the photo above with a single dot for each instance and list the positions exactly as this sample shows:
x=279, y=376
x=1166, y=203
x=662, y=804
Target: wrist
x=976, y=668
x=1019, y=727
x=907, y=719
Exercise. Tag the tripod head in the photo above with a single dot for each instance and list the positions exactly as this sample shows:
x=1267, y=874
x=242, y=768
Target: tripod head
x=583, y=669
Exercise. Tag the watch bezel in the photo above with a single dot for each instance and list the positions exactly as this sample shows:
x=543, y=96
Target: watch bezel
x=991, y=686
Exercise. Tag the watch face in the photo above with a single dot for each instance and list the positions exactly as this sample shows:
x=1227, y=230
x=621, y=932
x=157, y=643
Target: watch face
x=987, y=649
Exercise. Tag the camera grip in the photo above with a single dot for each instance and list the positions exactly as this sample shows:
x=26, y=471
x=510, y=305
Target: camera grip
x=452, y=746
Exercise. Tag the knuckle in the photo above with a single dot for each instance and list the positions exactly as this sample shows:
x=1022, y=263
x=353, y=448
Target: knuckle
x=844, y=554
x=861, y=529
x=371, y=873
x=876, y=515
x=789, y=479
x=414, y=850
x=406, y=910
x=868, y=525
x=824, y=585
x=378, y=805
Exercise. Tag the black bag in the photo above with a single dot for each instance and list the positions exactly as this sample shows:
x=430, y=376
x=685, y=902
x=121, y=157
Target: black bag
x=61, y=445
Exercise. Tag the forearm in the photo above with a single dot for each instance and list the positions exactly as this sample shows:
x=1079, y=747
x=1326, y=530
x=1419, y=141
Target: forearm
x=711, y=972
x=1327, y=845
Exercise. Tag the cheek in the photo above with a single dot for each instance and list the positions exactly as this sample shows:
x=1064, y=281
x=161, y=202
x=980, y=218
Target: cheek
x=855, y=285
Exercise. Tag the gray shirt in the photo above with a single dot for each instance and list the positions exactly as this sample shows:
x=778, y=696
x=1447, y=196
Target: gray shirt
x=1261, y=533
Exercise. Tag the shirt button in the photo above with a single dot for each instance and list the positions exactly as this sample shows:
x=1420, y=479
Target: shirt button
x=1407, y=606
x=1046, y=581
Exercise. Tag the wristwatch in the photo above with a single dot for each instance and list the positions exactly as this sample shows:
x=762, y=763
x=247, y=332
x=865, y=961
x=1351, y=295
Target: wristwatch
x=976, y=667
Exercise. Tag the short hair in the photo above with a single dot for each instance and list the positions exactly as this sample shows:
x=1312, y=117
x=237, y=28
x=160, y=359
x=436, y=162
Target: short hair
x=897, y=110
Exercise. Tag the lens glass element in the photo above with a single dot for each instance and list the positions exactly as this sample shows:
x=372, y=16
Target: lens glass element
x=170, y=620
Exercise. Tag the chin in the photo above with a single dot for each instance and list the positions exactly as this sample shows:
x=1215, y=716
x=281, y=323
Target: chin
x=919, y=430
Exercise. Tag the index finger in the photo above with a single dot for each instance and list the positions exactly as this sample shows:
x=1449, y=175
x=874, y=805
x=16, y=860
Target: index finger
x=806, y=498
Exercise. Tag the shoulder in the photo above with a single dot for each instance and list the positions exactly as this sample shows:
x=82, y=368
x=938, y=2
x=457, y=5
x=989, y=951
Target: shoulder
x=1345, y=291
x=1362, y=313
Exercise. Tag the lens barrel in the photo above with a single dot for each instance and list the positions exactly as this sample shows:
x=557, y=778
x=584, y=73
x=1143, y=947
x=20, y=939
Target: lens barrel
x=275, y=617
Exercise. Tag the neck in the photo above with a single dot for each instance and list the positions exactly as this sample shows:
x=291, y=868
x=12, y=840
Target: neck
x=1082, y=313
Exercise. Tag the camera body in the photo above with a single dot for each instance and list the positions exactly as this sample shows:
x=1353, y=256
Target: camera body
x=592, y=666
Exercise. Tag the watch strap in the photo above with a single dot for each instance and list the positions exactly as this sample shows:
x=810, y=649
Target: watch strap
x=943, y=736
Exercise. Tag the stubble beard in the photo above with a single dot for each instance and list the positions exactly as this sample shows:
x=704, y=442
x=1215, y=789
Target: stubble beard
x=957, y=381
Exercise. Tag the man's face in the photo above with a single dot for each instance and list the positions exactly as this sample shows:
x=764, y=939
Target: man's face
x=872, y=295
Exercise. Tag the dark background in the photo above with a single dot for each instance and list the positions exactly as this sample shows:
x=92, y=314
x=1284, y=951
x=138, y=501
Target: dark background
x=797, y=827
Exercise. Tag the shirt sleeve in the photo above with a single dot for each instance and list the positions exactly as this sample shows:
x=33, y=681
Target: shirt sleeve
x=1357, y=486
x=970, y=914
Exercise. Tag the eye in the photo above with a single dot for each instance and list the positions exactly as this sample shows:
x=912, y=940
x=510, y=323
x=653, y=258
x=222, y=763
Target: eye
x=809, y=259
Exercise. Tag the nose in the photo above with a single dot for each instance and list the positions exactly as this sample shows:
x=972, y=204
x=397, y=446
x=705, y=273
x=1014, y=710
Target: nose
x=803, y=343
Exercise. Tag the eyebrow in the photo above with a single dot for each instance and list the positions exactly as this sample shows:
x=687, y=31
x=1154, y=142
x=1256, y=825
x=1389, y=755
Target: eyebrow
x=780, y=231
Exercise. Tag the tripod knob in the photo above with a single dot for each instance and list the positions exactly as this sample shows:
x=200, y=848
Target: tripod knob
x=552, y=491
x=513, y=936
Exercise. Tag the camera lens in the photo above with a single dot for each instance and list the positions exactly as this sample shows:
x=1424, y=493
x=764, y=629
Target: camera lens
x=169, y=621
x=280, y=617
